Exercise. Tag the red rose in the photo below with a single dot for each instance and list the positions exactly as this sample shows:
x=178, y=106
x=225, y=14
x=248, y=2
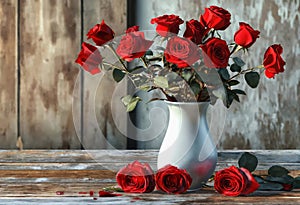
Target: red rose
x=136, y=178
x=89, y=58
x=170, y=179
x=246, y=35
x=273, y=61
x=167, y=24
x=181, y=52
x=235, y=181
x=216, y=53
x=101, y=33
x=194, y=31
x=216, y=18
x=133, y=45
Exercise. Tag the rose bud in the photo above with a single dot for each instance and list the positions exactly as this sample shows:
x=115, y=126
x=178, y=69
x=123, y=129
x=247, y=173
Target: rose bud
x=167, y=24
x=273, y=61
x=194, y=31
x=136, y=178
x=181, y=52
x=133, y=45
x=170, y=179
x=246, y=35
x=101, y=33
x=89, y=58
x=235, y=181
x=216, y=53
x=216, y=18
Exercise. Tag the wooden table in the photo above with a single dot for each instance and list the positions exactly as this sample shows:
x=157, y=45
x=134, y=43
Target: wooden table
x=58, y=177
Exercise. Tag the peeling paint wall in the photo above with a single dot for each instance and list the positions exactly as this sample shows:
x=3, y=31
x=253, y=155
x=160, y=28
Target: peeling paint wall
x=269, y=116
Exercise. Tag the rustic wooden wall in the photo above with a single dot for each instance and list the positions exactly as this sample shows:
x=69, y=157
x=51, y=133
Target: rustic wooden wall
x=8, y=73
x=268, y=117
x=40, y=39
x=99, y=128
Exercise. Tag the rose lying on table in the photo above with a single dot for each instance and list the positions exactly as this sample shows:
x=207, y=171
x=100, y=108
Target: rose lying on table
x=139, y=178
x=232, y=181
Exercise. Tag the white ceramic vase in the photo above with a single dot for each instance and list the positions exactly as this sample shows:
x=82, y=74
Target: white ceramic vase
x=187, y=143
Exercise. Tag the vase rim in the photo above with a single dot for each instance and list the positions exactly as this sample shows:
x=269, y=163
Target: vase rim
x=183, y=103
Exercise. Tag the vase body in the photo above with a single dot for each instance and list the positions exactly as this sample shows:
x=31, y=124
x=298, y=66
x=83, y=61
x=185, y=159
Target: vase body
x=187, y=143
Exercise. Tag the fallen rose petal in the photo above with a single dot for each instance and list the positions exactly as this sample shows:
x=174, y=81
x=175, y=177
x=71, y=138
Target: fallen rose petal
x=108, y=194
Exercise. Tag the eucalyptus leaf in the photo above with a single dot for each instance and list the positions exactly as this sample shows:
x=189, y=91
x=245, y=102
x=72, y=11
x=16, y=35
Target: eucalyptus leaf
x=252, y=79
x=248, y=161
x=118, y=75
x=277, y=171
x=161, y=81
x=235, y=68
x=238, y=61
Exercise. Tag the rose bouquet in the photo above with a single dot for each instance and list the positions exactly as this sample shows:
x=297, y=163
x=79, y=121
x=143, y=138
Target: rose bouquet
x=199, y=66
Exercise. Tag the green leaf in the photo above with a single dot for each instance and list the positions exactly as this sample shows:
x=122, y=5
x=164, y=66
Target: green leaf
x=259, y=179
x=233, y=82
x=224, y=73
x=285, y=179
x=232, y=95
x=296, y=183
x=161, y=81
x=248, y=161
x=118, y=75
x=252, y=79
x=237, y=91
x=195, y=87
x=144, y=87
x=149, y=53
x=238, y=61
x=126, y=99
x=235, y=68
x=277, y=171
x=186, y=75
x=270, y=187
x=132, y=104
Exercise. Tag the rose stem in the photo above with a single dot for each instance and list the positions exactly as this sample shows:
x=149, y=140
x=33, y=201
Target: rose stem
x=144, y=62
x=244, y=71
x=111, y=65
x=117, y=56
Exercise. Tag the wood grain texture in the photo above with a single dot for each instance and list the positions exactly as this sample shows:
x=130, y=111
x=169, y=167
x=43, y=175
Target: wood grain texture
x=35, y=182
x=100, y=129
x=268, y=117
x=50, y=39
x=8, y=73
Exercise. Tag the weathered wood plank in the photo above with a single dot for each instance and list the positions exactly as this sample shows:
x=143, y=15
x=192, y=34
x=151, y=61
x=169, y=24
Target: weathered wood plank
x=100, y=130
x=8, y=73
x=50, y=39
x=56, y=184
